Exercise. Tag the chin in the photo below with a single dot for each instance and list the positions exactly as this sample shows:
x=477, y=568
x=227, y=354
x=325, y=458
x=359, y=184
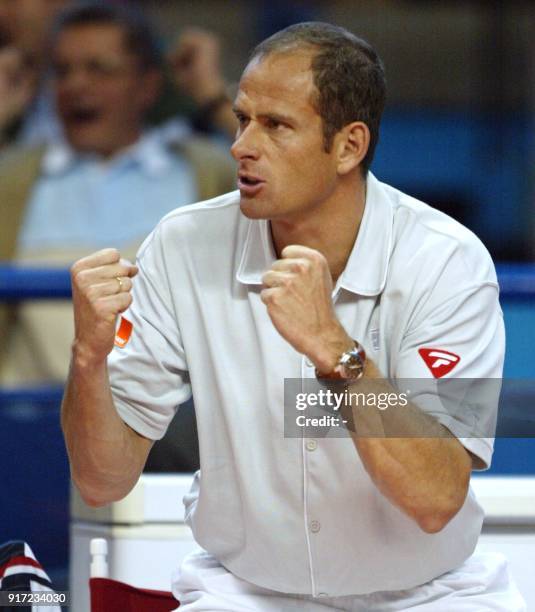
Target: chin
x=94, y=147
x=81, y=142
x=252, y=209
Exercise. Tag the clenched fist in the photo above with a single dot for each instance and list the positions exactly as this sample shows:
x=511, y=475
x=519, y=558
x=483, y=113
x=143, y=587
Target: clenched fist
x=101, y=285
x=298, y=296
x=195, y=65
x=17, y=85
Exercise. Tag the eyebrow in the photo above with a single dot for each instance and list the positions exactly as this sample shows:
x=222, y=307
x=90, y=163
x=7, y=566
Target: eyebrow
x=276, y=116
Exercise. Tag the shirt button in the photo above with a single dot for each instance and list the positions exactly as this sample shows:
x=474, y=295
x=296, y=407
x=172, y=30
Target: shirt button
x=308, y=363
x=311, y=445
x=315, y=526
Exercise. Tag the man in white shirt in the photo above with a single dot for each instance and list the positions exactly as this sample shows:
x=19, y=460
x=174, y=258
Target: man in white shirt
x=314, y=269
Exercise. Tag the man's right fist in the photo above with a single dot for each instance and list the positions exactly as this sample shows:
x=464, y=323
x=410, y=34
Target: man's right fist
x=17, y=85
x=101, y=285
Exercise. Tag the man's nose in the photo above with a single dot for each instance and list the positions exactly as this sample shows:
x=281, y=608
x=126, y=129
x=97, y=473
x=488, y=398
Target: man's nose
x=73, y=78
x=246, y=144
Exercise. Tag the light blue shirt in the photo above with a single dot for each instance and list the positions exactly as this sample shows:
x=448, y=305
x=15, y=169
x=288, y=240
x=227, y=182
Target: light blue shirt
x=84, y=202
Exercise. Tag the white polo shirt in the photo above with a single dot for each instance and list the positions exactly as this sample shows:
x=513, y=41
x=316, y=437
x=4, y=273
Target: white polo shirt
x=291, y=514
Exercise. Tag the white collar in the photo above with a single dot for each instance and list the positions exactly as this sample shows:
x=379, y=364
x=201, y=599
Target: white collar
x=367, y=266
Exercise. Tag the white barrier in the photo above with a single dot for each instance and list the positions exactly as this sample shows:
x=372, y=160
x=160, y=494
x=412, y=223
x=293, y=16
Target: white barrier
x=147, y=537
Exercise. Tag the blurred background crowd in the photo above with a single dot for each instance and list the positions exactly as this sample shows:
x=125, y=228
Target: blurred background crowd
x=114, y=113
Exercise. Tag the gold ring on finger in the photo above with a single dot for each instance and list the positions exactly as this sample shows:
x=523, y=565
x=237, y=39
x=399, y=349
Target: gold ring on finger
x=118, y=278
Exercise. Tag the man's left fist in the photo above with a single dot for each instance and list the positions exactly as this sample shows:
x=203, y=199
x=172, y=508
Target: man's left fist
x=298, y=296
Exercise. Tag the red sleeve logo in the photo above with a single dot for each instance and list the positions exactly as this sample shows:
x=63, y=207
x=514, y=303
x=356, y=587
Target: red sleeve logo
x=123, y=333
x=439, y=361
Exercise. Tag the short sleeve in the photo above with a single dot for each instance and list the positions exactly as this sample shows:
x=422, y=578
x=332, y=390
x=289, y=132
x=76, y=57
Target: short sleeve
x=148, y=372
x=452, y=357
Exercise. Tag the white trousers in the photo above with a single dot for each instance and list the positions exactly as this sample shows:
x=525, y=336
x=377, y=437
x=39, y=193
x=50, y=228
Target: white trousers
x=482, y=583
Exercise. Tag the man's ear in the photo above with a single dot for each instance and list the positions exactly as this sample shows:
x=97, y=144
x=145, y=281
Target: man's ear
x=352, y=143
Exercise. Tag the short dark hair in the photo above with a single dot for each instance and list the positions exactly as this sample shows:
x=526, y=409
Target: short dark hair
x=139, y=36
x=348, y=75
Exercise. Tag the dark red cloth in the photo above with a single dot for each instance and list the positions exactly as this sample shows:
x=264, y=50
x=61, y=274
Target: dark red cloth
x=111, y=596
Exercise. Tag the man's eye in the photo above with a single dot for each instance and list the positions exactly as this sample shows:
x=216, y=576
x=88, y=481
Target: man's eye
x=273, y=124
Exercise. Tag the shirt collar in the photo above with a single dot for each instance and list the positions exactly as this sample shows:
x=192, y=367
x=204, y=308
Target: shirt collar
x=367, y=266
x=58, y=158
x=151, y=153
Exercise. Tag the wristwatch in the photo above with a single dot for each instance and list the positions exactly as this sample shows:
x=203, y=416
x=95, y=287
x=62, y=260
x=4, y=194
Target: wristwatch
x=349, y=368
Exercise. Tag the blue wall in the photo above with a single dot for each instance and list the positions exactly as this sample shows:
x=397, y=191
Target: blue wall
x=517, y=455
x=34, y=481
x=483, y=159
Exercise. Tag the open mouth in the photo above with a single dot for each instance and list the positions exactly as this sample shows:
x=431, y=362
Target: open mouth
x=83, y=116
x=246, y=180
x=249, y=185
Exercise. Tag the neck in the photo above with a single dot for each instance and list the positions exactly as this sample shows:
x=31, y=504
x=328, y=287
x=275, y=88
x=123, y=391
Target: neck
x=108, y=154
x=331, y=230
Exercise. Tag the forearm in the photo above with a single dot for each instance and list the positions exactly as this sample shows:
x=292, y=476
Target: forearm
x=413, y=460
x=106, y=456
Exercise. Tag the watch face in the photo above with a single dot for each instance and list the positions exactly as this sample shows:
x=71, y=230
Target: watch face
x=350, y=367
x=352, y=363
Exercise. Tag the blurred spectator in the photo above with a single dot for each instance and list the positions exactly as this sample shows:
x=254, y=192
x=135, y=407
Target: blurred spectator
x=195, y=66
x=107, y=184
x=26, y=109
x=27, y=113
